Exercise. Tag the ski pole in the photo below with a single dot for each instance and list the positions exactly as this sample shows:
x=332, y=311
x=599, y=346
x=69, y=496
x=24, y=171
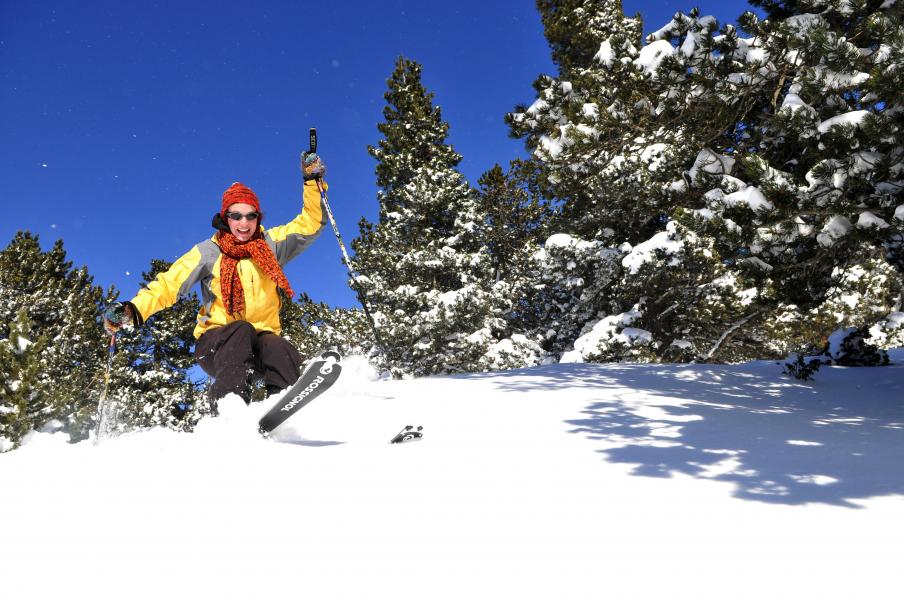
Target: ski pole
x=101, y=405
x=345, y=258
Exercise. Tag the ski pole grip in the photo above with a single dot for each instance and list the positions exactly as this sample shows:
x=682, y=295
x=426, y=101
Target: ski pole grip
x=313, y=138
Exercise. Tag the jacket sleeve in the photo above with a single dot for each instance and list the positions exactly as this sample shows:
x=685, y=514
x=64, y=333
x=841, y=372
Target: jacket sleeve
x=293, y=238
x=169, y=285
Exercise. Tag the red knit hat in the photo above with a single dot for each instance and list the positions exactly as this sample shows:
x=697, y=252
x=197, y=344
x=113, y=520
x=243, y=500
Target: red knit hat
x=239, y=193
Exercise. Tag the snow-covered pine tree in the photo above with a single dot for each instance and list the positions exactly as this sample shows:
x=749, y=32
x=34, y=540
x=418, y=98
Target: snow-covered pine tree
x=575, y=286
x=46, y=301
x=779, y=144
x=424, y=271
x=314, y=327
x=514, y=223
x=610, y=135
x=151, y=384
x=593, y=130
x=812, y=206
x=516, y=217
x=19, y=373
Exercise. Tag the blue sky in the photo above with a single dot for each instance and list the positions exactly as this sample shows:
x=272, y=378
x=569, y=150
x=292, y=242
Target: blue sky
x=124, y=122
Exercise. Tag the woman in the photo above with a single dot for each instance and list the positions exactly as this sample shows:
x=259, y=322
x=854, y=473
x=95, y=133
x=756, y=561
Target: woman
x=240, y=270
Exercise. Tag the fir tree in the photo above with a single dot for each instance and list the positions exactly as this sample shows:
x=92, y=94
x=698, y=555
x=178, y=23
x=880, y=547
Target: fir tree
x=515, y=220
x=151, y=384
x=314, y=327
x=811, y=204
x=765, y=170
x=424, y=269
x=47, y=302
x=593, y=130
x=19, y=372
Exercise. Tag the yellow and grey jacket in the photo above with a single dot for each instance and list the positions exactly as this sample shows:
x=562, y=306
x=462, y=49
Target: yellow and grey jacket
x=201, y=265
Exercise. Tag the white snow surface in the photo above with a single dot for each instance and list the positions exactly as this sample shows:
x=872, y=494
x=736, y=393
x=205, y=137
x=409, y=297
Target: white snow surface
x=563, y=481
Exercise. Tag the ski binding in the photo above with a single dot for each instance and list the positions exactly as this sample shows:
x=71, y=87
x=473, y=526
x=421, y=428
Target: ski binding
x=408, y=434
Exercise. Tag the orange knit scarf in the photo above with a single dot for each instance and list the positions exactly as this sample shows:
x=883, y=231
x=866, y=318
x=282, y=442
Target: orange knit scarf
x=260, y=253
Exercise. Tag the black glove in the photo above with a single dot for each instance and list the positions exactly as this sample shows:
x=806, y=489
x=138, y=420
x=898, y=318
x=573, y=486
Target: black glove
x=116, y=315
x=312, y=166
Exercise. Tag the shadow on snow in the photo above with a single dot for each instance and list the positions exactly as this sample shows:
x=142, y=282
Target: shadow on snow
x=832, y=441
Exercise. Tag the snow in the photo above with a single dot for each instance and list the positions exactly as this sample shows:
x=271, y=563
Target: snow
x=654, y=156
x=646, y=252
x=22, y=345
x=711, y=163
x=750, y=196
x=890, y=328
x=836, y=228
x=551, y=147
x=804, y=22
x=538, y=106
x=606, y=332
x=868, y=220
x=653, y=54
x=591, y=110
x=792, y=100
x=854, y=117
x=563, y=240
x=571, y=481
x=839, y=81
x=835, y=340
x=605, y=55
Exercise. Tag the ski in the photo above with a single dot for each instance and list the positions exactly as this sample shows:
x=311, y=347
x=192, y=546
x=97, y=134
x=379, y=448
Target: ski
x=316, y=379
x=408, y=434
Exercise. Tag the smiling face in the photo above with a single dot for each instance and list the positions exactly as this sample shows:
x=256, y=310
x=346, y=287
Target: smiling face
x=243, y=230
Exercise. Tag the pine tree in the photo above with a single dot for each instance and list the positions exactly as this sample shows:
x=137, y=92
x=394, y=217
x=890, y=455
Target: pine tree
x=818, y=149
x=47, y=302
x=314, y=327
x=575, y=29
x=151, y=383
x=575, y=287
x=772, y=175
x=19, y=372
x=515, y=218
x=593, y=129
x=609, y=135
x=424, y=270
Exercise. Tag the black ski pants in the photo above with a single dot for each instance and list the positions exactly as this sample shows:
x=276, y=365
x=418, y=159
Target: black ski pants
x=235, y=353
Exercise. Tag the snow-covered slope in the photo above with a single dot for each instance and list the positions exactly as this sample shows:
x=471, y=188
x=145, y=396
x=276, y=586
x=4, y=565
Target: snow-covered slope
x=567, y=481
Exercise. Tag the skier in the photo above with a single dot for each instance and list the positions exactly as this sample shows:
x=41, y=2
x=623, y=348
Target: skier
x=240, y=270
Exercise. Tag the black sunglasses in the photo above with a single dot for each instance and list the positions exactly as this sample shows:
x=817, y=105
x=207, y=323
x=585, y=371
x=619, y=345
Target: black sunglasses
x=237, y=216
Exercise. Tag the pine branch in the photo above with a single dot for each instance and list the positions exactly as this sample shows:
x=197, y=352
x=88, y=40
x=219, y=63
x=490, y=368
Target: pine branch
x=730, y=332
